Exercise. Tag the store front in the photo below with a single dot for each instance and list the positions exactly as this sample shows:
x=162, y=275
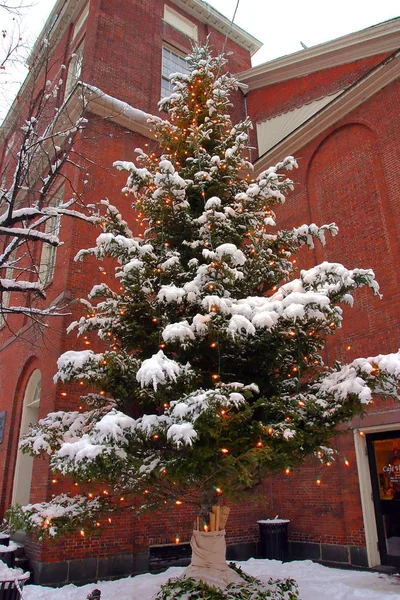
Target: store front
x=383, y=450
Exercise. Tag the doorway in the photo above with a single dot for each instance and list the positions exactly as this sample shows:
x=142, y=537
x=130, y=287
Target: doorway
x=384, y=462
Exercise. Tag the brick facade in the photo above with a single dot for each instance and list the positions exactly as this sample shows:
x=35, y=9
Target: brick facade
x=347, y=175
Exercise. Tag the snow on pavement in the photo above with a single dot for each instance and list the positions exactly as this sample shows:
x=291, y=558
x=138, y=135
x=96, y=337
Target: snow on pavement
x=315, y=581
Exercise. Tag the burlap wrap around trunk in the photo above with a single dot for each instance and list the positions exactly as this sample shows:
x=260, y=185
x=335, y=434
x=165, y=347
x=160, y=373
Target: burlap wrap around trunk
x=208, y=560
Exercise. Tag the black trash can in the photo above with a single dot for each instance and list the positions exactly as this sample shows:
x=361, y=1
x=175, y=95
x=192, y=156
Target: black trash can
x=274, y=539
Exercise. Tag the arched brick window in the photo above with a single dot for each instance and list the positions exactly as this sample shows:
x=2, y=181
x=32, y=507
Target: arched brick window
x=24, y=463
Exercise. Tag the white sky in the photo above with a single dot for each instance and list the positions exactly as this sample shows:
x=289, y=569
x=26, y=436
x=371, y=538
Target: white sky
x=280, y=26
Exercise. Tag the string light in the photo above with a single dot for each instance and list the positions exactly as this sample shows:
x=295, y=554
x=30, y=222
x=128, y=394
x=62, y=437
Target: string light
x=346, y=462
x=224, y=450
x=318, y=480
x=287, y=470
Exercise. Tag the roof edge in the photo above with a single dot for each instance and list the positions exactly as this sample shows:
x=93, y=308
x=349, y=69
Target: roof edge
x=350, y=99
x=374, y=40
x=209, y=15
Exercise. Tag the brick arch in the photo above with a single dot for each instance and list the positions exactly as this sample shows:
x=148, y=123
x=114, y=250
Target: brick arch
x=345, y=183
x=30, y=366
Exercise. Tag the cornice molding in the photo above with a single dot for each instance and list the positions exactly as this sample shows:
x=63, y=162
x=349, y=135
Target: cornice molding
x=384, y=74
x=110, y=108
x=379, y=39
x=63, y=14
x=207, y=14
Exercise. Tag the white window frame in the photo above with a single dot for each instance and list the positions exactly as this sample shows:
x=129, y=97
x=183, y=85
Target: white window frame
x=48, y=257
x=24, y=464
x=81, y=21
x=5, y=296
x=180, y=22
x=74, y=68
x=169, y=57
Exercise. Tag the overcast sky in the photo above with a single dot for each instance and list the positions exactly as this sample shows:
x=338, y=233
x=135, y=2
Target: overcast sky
x=280, y=26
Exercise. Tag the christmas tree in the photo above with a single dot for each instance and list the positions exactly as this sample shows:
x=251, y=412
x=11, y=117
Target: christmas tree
x=211, y=374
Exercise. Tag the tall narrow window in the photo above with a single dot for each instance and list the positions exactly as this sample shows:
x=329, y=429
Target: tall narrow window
x=81, y=21
x=24, y=464
x=74, y=69
x=171, y=63
x=49, y=253
x=5, y=296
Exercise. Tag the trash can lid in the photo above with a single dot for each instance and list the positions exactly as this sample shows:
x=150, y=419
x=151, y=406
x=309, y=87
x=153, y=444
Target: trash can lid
x=277, y=521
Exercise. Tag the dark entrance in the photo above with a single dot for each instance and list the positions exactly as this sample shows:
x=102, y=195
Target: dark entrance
x=384, y=461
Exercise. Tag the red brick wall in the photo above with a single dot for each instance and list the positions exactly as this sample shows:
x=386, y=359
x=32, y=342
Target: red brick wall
x=348, y=176
x=123, y=49
x=278, y=98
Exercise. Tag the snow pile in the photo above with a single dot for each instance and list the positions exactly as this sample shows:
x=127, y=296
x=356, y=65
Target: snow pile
x=315, y=582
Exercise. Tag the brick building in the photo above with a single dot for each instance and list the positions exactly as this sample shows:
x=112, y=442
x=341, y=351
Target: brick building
x=335, y=107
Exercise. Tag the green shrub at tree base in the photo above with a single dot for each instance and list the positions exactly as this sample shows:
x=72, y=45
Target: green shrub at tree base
x=252, y=589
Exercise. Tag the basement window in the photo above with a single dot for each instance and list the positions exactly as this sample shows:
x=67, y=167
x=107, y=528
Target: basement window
x=180, y=22
x=171, y=63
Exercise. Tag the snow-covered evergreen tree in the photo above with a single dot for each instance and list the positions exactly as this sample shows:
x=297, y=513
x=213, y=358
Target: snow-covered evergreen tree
x=211, y=375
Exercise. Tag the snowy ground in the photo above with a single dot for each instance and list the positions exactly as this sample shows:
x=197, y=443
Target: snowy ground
x=315, y=582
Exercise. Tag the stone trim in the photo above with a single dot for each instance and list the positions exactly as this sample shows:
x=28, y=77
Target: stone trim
x=379, y=39
x=207, y=14
x=358, y=93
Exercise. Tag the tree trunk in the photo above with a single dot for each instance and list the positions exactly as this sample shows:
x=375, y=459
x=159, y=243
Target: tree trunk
x=208, y=560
